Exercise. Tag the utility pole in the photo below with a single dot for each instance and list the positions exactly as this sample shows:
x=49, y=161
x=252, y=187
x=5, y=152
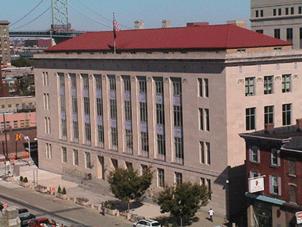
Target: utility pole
x=5, y=136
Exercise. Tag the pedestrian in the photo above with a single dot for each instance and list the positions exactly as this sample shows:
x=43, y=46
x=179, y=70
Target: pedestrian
x=102, y=209
x=211, y=214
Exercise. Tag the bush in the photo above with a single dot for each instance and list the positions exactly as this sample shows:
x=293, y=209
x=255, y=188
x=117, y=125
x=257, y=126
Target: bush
x=64, y=191
x=21, y=178
x=25, y=180
x=59, y=189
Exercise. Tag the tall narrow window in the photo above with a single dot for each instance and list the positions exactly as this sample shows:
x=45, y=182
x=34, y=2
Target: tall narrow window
x=178, y=144
x=300, y=37
x=178, y=178
x=160, y=178
x=286, y=114
x=292, y=193
x=250, y=116
x=286, y=83
x=64, y=154
x=63, y=106
x=74, y=107
x=250, y=86
x=144, y=141
x=86, y=101
x=75, y=157
x=204, y=119
x=203, y=85
x=268, y=115
x=274, y=12
x=277, y=33
x=205, y=153
x=99, y=110
x=275, y=185
x=275, y=159
x=268, y=84
x=291, y=167
x=289, y=35
x=113, y=111
x=88, y=160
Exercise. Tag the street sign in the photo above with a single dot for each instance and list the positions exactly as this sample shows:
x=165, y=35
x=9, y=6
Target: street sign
x=256, y=184
x=299, y=217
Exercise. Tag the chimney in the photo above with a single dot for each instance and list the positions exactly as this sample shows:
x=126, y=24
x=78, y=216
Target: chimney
x=165, y=23
x=239, y=23
x=196, y=24
x=268, y=127
x=139, y=24
x=299, y=123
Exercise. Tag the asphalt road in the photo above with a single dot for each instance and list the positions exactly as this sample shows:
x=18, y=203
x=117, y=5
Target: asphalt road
x=57, y=209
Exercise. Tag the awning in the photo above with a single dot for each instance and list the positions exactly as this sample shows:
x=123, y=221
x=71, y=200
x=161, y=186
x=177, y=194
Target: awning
x=266, y=199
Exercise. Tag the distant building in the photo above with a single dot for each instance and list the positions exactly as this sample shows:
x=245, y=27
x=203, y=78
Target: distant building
x=175, y=99
x=281, y=19
x=274, y=164
x=17, y=104
x=4, y=43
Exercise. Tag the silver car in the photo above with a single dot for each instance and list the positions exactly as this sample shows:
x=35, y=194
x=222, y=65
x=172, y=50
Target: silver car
x=147, y=223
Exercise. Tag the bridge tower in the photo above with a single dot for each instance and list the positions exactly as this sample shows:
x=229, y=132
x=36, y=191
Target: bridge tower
x=59, y=13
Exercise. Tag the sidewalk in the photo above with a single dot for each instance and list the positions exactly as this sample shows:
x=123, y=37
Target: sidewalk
x=100, y=192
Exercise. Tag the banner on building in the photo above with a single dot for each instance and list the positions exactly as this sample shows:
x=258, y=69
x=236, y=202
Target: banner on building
x=256, y=184
x=299, y=217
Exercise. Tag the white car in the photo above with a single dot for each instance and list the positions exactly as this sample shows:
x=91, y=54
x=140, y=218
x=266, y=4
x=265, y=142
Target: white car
x=146, y=223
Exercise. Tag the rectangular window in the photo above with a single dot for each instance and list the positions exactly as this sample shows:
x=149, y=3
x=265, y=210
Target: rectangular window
x=62, y=106
x=292, y=10
x=300, y=10
x=275, y=185
x=289, y=35
x=275, y=159
x=277, y=33
x=114, y=138
x=177, y=87
x=112, y=82
x=178, y=178
x=159, y=87
x=101, y=135
x=161, y=144
x=274, y=12
x=292, y=193
x=291, y=167
x=160, y=116
x=268, y=84
x=144, y=142
x=88, y=132
x=88, y=160
x=74, y=107
x=127, y=83
x=48, y=148
x=178, y=146
x=75, y=157
x=268, y=115
x=129, y=165
x=257, y=13
x=127, y=105
x=286, y=114
x=160, y=178
x=205, y=153
x=113, y=110
x=64, y=154
x=204, y=119
x=260, y=31
x=143, y=111
x=177, y=112
x=279, y=11
x=129, y=139
x=142, y=85
x=300, y=37
x=250, y=116
x=286, y=83
x=250, y=86
x=286, y=11
x=261, y=13
x=203, y=87
x=254, y=154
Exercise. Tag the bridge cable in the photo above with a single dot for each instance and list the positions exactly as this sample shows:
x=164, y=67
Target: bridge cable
x=28, y=13
x=96, y=21
x=34, y=19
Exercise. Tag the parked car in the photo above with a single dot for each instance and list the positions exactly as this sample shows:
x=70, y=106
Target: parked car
x=25, y=216
x=147, y=223
x=41, y=222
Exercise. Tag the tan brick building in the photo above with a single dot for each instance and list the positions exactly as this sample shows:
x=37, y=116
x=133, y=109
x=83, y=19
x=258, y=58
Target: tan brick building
x=172, y=98
x=4, y=43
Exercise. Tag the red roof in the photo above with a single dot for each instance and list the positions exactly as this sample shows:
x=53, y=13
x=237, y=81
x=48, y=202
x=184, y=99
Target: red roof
x=227, y=36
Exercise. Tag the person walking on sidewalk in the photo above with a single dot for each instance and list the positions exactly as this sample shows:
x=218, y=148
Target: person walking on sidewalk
x=211, y=214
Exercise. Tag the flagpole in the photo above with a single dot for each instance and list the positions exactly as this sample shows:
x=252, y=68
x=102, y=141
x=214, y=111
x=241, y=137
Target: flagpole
x=114, y=35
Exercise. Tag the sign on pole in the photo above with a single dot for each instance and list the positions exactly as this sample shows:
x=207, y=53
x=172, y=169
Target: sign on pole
x=256, y=184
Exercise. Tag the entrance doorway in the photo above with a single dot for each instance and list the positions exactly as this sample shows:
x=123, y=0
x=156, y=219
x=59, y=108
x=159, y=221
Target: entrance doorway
x=100, y=168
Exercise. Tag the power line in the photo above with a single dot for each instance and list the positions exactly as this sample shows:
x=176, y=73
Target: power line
x=96, y=21
x=34, y=19
x=28, y=13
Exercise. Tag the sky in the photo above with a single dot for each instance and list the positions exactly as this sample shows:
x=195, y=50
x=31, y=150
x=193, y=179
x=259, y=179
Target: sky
x=95, y=15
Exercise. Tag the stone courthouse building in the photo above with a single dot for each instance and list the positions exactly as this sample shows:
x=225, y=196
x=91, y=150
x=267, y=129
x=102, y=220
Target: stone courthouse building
x=174, y=99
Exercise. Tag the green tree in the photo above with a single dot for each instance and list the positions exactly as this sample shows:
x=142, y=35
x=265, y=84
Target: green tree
x=127, y=185
x=21, y=62
x=183, y=201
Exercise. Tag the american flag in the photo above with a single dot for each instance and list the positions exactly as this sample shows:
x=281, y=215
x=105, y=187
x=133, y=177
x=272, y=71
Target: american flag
x=116, y=27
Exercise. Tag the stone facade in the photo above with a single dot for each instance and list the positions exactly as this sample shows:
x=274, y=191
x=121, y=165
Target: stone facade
x=4, y=43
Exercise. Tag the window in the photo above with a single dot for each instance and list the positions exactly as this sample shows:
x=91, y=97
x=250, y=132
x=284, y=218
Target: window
x=144, y=142
x=254, y=174
x=46, y=124
x=75, y=157
x=114, y=163
x=144, y=169
x=279, y=11
x=15, y=124
x=101, y=135
x=277, y=33
x=88, y=132
x=63, y=125
x=268, y=84
x=274, y=12
x=205, y=153
x=286, y=83
x=260, y=31
x=268, y=115
x=177, y=87
x=300, y=10
x=112, y=82
x=204, y=119
x=300, y=37
x=261, y=13
x=275, y=185
x=250, y=115
x=113, y=111
x=142, y=85
x=286, y=11
x=161, y=144
x=88, y=160
x=48, y=148
x=177, y=112
x=143, y=111
x=99, y=107
x=64, y=154
x=178, y=146
x=74, y=107
x=127, y=83
x=160, y=178
x=160, y=117
x=250, y=86
x=129, y=165
x=275, y=159
x=292, y=10
x=292, y=167
x=129, y=143
x=254, y=154
x=203, y=87
x=292, y=193
x=114, y=139
x=207, y=183
x=289, y=35
x=286, y=114
x=127, y=110
x=159, y=87
x=257, y=13
x=178, y=178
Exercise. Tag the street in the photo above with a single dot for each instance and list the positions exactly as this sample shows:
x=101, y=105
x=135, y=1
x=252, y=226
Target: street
x=60, y=210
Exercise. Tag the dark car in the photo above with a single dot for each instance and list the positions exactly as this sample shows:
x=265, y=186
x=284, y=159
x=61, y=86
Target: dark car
x=25, y=216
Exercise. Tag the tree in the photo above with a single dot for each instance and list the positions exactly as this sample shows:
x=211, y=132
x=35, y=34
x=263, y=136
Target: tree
x=127, y=185
x=183, y=201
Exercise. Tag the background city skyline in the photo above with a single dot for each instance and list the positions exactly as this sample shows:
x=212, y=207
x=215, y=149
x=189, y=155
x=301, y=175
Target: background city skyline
x=97, y=15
